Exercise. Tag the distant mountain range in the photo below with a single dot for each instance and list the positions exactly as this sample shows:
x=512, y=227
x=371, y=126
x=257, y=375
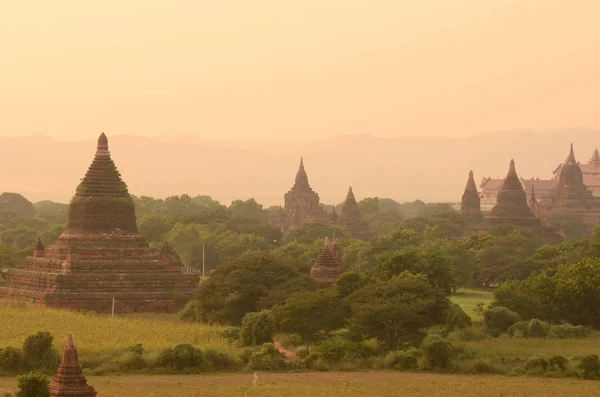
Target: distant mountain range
x=405, y=169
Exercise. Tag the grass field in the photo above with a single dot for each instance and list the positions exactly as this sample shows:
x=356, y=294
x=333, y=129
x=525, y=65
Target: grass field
x=469, y=298
x=97, y=335
x=328, y=384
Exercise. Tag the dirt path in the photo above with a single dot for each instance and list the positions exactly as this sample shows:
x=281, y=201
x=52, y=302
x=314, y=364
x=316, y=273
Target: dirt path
x=288, y=354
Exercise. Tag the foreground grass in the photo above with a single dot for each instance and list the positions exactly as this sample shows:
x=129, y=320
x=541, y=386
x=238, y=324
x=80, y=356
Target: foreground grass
x=97, y=335
x=382, y=384
x=468, y=299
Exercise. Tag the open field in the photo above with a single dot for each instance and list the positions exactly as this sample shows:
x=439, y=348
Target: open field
x=96, y=334
x=328, y=384
x=469, y=298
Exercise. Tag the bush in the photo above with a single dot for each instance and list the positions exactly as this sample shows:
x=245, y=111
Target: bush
x=438, y=353
x=498, y=320
x=257, y=328
x=402, y=360
x=39, y=354
x=558, y=363
x=11, y=360
x=180, y=357
x=536, y=365
x=590, y=366
x=337, y=349
x=529, y=329
x=219, y=361
x=266, y=358
x=568, y=331
x=33, y=385
x=232, y=333
x=485, y=367
x=468, y=334
x=456, y=318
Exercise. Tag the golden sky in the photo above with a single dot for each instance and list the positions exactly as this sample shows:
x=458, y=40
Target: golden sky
x=297, y=69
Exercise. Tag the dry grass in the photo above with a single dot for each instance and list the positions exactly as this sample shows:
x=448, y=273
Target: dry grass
x=381, y=384
x=96, y=335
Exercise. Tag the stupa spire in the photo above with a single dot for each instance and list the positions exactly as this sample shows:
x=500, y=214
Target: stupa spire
x=470, y=205
x=571, y=157
x=69, y=380
x=533, y=204
x=350, y=196
x=512, y=199
x=595, y=159
x=301, y=177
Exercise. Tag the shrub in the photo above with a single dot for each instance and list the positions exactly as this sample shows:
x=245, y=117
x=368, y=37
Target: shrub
x=485, y=367
x=468, y=334
x=590, y=366
x=529, y=329
x=180, y=357
x=402, y=360
x=131, y=361
x=257, y=328
x=498, y=320
x=558, y=363
x=39, y=354
x=11, y=360
x=568, y=331
x=338, y=349
x=536, y=365
x=456, y=318
x=33, y=385
x=266, y=358
x=313, y=360
x=438, y=353
x=219, y=361
x=232, y=333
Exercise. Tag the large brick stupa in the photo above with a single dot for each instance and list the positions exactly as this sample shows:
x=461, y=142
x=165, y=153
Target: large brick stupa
x=101, y=255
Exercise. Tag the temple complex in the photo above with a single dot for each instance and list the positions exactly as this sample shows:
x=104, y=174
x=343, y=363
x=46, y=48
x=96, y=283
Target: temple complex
x=329, y=266
x=69, y=380
x=101, y=256
x=351, y=220
x=302, y=205
x=470, y=205
x=571, y=195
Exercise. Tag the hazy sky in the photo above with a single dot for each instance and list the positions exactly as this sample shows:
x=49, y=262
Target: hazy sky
x=297, y=69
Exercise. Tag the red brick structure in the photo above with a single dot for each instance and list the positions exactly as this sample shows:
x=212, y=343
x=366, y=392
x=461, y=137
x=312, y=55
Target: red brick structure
x=328, y=267
x=470, y=205
x=571, y=195
x=302, y=205
x=351, y=220
x=101, y=255
x=69, y=380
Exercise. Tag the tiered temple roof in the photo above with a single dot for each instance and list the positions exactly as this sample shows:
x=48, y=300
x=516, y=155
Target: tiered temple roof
x=302, y=205
x=350, y=218
x=470, y=206
x=101, y=255
x=70, y=381
x=572, y=195
x=595, y=159
x=328, y=267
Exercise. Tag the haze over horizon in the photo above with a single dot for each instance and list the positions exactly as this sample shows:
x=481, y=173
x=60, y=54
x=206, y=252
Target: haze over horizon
x=297, y=71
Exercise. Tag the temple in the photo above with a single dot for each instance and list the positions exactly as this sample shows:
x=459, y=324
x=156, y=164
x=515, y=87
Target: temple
x=101, y=256
x=302, y=205
x=571, y=195
x=512, y=208
x=329, y=266
x=350, y=218
x=69, y=380
x=470, y=205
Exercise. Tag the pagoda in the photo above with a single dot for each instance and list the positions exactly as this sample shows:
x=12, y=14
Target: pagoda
x=571, y=195
x=350, y=218
x=101, y=256
x=302, y=205
x=329, y=266
x=70, y=381
x=533, y=202
x=470, y=205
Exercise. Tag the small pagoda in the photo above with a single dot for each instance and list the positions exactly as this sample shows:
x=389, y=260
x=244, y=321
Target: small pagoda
x=350, y=218
x=470, y=205
x=302, y=205
x=69, y=380
x=329, y=266
x=571, y=195
x=101, y=256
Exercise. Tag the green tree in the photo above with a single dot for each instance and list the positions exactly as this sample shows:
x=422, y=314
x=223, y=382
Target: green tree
x=248, y=284
x=39, y=353
x=17, y=204
x=33, y=385
x=309, y=313
x=154, y=227
x=51, y=211
x=396, y=311
x=249, y=209
x=311, y=232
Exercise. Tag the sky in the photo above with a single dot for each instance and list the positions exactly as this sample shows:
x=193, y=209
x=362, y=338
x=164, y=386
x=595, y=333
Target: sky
x=296, y=70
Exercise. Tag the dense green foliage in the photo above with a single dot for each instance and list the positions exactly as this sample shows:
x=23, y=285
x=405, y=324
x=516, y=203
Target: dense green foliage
x=33, y=385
